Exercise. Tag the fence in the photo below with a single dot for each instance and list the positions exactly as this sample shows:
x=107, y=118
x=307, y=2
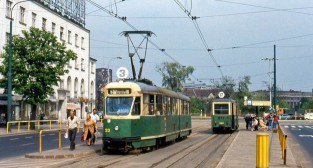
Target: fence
x=29, y=123
x=283, y=143
x=60, y=130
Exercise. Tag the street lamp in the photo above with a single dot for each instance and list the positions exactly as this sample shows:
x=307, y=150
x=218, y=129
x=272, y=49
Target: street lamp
x=108, y=71
x=9, y=109
x=269, y=75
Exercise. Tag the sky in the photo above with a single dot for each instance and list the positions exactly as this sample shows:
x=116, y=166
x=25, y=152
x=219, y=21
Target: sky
x=240, y=32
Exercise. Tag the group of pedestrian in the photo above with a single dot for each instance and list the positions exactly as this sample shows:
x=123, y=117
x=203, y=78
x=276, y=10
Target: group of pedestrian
x=255, y=123
x=89, y=129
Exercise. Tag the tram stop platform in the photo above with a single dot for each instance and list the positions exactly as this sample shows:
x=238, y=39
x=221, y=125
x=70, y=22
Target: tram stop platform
x=242, y=151
x=80, y=151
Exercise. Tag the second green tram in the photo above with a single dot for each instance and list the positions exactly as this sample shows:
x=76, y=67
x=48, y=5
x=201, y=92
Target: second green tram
x=224, y=115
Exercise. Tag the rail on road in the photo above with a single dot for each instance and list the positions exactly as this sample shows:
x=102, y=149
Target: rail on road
x=283, y=143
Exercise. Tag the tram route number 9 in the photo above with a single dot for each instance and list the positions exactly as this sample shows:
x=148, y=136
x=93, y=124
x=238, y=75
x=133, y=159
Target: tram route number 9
x=107, y=130
x=122, y=73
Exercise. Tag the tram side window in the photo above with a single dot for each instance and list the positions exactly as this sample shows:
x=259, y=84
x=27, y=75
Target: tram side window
x=136, y=108
x=151, y=104
x=221, y=108
x=159, y=105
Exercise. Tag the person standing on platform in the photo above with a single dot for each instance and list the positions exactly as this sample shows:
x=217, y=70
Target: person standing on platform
x=72, y=128
x=95, y=117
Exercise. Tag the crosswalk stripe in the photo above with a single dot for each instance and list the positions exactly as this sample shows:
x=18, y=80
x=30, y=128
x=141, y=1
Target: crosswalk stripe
x=300, y=126
x=293, y=126
x=286, y=126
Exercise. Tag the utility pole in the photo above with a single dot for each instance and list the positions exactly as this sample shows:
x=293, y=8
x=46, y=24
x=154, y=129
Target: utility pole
x=275, y=94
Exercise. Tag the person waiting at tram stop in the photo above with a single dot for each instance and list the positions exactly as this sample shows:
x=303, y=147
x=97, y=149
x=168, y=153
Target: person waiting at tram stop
x=95, y=117
x=90, y=127
x=248, y=119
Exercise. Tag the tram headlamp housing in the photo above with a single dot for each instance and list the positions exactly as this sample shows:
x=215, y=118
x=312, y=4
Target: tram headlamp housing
x=116, y=128
x=109, y=121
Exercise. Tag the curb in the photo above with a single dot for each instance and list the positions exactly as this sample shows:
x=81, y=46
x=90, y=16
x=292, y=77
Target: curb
x=61, y=156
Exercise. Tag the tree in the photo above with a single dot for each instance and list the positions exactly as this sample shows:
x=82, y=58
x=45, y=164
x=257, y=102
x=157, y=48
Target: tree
x=174, y=75
x=227, y=84
x=196, y=105
x=283, y=104
x=38, y=62
x=242, y=91
x=307, y=105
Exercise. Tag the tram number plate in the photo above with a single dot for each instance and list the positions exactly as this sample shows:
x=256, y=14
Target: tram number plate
x=221, y=123
x=107, y=130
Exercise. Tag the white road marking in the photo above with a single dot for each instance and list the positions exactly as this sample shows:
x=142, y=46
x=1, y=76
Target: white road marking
x=51, y=134
x=286, y=126
x=307, y=126
x=27, y=144
x=29, y=137
x=14, y=139
x=43, y=135
x=306, y=136
x=300, y=126
x=293, y=126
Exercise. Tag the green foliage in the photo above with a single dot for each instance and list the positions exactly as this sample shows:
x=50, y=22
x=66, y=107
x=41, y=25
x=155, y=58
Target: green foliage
x=174, y=75
x=38, y=62
x=283, y=104
x=196, y=105
x=307, y=105
x=227, y=84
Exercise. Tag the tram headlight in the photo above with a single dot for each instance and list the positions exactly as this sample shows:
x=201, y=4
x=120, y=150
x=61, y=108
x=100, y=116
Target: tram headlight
x=109, y=121
x=116, y=128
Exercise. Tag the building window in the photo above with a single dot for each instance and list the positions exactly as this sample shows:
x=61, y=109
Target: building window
x=61, y=33
x=69, y=37
x=7, y=37
x=8, y=10
x=82, y=64
x=34, y=19
x=22, y=15
x=83, y=43
x=44, y=23
x=76, y=63
x=53, y=28
x=62, y=84
x=76, y=40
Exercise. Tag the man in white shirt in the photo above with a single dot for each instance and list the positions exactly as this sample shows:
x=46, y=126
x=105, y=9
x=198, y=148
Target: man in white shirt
x=72, y=128
x=94, y=116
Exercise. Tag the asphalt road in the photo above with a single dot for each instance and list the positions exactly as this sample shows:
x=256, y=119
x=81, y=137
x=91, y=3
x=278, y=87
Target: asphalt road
x=19, y=145
x=301, y=133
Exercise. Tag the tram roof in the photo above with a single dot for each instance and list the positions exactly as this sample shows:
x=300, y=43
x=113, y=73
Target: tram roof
x=143, y=87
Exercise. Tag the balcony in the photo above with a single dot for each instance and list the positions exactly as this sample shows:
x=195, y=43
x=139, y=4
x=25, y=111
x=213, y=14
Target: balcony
x=63, y=94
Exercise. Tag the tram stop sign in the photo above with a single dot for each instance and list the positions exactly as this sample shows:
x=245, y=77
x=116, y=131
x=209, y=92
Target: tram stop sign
x=122, y=73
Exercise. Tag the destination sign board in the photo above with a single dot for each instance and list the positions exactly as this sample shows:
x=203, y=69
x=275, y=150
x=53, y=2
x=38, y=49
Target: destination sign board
x=119, y=91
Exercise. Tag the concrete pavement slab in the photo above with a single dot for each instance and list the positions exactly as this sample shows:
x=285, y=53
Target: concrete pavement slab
x=242, y=152
x=80, y=151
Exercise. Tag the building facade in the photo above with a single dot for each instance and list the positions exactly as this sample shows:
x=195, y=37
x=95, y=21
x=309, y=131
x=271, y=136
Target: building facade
x=66, y=20
x=101, y=81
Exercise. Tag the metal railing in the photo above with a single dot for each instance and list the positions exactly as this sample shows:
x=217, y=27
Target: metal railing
x=52, y=130
x=29, y=123
x=60, y=130
x=283, y=143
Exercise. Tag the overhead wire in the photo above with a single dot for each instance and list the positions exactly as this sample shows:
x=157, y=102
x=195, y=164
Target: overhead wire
x=194, y=21
x=124, y=19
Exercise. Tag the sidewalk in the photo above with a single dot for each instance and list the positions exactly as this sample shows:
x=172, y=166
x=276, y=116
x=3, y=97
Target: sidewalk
x=80, y=151
x=242, y=152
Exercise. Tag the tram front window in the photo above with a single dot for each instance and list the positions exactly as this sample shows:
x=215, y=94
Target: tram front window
x=118, y=105
x=221, y=109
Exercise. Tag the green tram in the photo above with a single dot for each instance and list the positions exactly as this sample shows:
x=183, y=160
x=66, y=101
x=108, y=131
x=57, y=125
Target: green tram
x=224, y=115
x=142, y=116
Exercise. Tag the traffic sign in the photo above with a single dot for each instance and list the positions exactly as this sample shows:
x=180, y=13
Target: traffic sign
x=122, y=73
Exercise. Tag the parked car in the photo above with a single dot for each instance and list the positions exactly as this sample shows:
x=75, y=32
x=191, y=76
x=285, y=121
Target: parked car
x=285, y=117
x=297, y=117
x=308, y=116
